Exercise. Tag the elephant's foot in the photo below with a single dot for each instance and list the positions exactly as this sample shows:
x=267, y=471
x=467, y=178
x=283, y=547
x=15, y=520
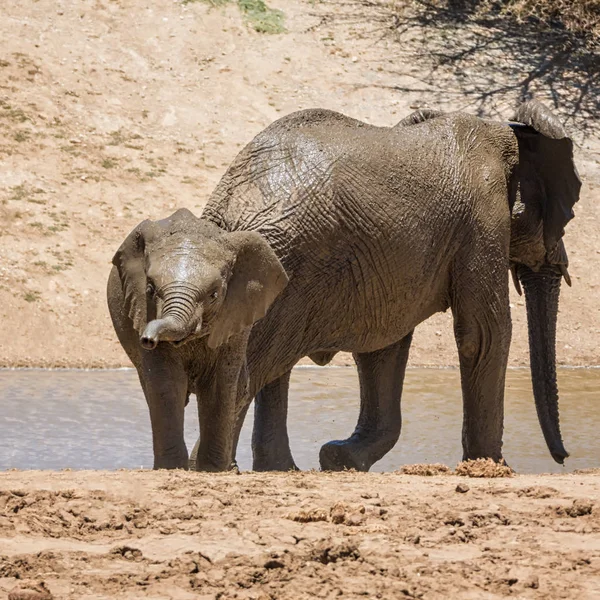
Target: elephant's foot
x=211, y=467
x=175, y=460
x=276, y=461
x=233, y=467
x=274, y=466
x=198, y=463
x=171, y=465
x=344, y=454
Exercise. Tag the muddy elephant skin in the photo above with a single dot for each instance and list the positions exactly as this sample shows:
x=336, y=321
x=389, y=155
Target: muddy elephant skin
x=370, y=230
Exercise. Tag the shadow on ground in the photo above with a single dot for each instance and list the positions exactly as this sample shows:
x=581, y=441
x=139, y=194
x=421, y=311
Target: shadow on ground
x=481, y=60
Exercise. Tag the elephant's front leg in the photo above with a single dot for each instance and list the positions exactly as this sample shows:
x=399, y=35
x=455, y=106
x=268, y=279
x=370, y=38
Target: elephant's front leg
x=217, y=392
x=482, y=328
x=381, y=376
x=242, y=406
x=164, y=382
x=270, y=442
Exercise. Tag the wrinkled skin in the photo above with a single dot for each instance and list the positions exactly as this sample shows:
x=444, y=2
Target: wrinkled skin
x=377, y=229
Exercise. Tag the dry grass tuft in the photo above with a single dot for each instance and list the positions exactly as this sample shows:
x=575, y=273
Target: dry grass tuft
x=581, y=17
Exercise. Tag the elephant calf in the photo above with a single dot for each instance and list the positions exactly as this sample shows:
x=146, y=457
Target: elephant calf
x=327, y=234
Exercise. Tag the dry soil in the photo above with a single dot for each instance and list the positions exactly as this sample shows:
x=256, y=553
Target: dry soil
x=113, y=111
x=144, y=534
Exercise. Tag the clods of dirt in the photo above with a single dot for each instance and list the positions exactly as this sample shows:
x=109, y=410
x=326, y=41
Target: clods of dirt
x=342, y=514
x=128, y=553
x=30, y=591
x=339, y=514
x=537, y=491
x=424, y=469
x=580, y=508
x=309, y=516
x=483, y=467
x=353, y=535
x=328, y=552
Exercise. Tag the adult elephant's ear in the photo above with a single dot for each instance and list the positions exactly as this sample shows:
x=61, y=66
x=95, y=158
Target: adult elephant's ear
x=257, y=279
x=129, y=260
x=546, y=166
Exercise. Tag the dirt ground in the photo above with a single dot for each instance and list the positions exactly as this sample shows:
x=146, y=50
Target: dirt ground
x=112, y=111
x=144, y=534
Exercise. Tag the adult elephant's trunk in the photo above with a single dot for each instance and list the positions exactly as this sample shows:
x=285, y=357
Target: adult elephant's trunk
x=542, y=290
x=174, y=324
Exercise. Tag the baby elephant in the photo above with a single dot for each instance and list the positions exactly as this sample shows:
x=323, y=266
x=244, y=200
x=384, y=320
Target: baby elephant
x=373, y=229
x=183, y=295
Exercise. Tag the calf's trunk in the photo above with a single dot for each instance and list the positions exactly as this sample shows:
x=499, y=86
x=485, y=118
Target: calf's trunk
x=177, y=311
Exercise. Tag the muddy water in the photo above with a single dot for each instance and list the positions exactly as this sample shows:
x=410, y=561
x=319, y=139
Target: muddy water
x=99, y=420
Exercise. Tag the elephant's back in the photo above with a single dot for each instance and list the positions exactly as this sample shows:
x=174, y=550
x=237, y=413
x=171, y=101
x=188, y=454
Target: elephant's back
x=278, y=177
x=308, y=119
x=316, y=183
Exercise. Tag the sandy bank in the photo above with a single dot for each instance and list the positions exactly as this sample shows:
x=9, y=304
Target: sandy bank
x=113, y=112
x=134, y=534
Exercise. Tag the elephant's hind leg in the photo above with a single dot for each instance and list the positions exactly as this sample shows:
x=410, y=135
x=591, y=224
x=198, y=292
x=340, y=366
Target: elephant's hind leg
x=381, y=376
x=270, y=442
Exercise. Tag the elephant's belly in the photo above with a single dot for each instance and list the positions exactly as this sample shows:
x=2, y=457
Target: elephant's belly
x=371, y=337
x=345, y=306
x=370, y=319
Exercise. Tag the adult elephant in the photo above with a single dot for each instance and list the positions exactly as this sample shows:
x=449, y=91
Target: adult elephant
x=376, y=229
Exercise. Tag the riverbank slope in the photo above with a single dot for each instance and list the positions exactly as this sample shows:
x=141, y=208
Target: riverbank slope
x=112, y=112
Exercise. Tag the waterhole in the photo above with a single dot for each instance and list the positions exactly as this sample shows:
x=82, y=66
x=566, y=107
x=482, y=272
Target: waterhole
x=99, y=419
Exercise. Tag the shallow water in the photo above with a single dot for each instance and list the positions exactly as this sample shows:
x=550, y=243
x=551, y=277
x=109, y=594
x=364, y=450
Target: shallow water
x=99, y=419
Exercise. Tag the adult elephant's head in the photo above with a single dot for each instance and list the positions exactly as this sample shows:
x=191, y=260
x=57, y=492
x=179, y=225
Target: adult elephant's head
x=184, y=278
x=545, y=186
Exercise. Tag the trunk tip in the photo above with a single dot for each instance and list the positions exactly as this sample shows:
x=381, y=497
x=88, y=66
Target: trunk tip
x=148, y=343
x=559, y=455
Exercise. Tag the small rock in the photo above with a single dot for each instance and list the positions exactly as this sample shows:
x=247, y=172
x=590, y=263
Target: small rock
x=462, y=488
